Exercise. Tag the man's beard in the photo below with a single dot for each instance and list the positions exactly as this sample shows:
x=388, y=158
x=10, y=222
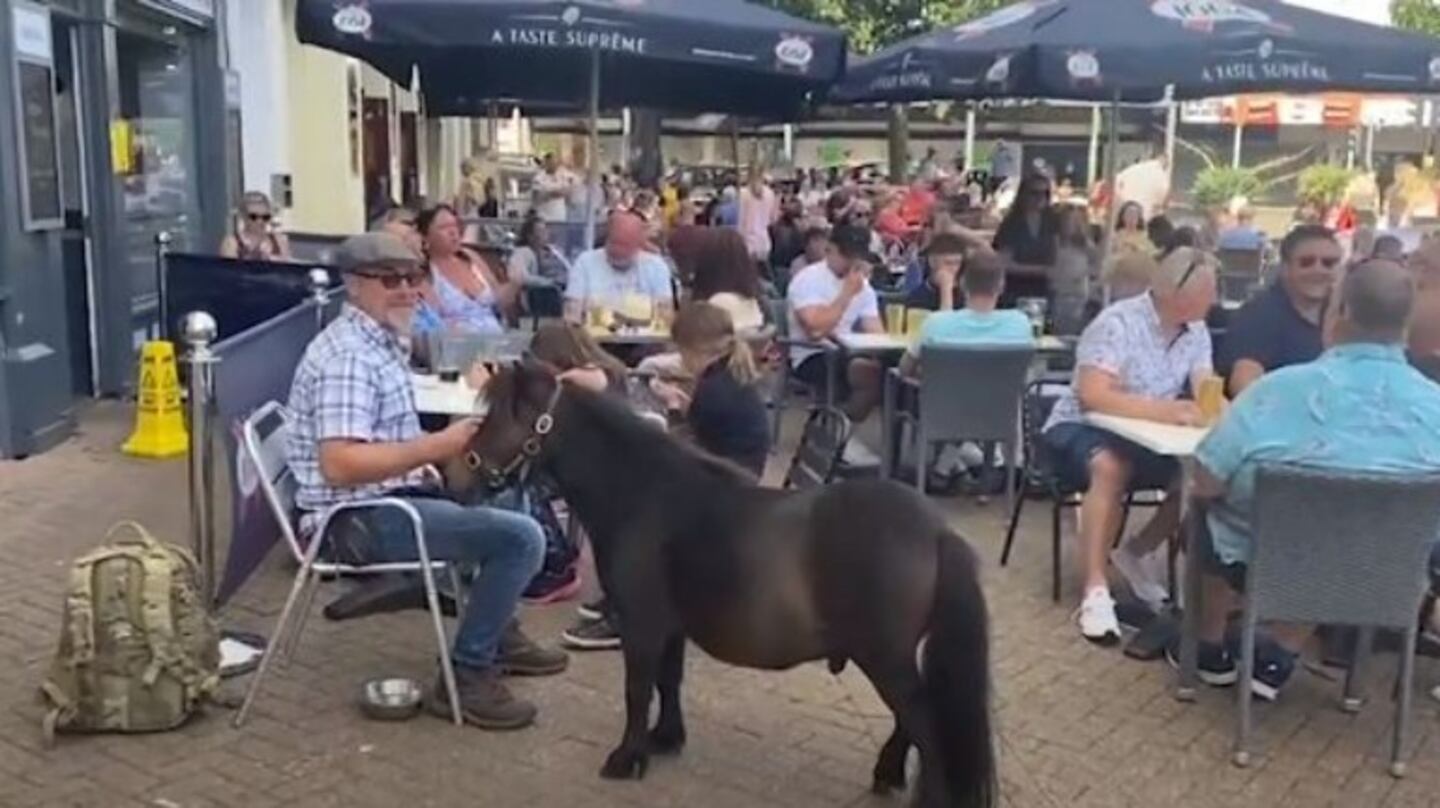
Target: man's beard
x=398, y=321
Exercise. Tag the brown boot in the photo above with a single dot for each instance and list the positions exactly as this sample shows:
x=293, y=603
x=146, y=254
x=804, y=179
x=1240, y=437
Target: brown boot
x=518, y=655
x=485, y=702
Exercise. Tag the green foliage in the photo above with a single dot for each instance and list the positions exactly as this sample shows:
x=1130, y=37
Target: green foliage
x=873, y=24
x=1216, y=185
x=1324, y=184
x=1417, y=15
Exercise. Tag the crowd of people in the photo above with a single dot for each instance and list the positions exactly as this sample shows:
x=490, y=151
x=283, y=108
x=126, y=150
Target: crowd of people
x=810, y=261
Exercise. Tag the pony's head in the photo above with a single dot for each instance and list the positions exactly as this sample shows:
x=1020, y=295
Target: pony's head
x=522, y=399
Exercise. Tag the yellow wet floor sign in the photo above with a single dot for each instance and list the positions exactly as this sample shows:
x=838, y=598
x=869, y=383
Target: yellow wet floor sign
x=159, y=424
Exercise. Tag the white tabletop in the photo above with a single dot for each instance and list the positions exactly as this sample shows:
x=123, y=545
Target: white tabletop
x=1163, y=439
x=872, y=343
x=1053, y=344
x=436, y=397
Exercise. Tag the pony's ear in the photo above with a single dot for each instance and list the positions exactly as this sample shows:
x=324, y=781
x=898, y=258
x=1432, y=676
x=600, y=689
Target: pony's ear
x=534, y=381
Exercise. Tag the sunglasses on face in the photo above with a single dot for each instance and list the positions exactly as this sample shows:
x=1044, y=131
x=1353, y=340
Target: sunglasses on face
x=1184, y=279
x=258, y=217
x=1309, y=261
x=392, y=280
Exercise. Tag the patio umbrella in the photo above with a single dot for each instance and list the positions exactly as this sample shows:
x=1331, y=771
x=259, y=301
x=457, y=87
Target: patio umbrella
x=683, y=55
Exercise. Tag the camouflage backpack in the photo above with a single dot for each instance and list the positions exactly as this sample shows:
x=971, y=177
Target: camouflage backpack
x=138, y=651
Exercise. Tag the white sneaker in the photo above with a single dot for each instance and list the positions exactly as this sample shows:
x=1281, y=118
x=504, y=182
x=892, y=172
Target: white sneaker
x=1145, y=574
x=1097, y=618
x=951, y=460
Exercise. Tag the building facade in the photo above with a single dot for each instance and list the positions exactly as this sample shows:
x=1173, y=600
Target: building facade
x=114, y=127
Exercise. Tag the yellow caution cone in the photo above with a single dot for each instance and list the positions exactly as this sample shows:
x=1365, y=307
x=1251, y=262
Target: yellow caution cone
x=159, y=424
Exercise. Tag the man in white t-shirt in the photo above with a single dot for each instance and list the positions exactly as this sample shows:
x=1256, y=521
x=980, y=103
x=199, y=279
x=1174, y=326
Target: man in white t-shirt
x=551, y=191
x=835, y=297
x=620, y=276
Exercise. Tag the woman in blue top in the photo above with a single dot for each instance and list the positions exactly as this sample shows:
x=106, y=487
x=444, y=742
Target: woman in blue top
x=468, y=295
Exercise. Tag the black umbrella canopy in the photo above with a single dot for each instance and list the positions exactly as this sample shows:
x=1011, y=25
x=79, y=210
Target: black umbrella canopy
x=684, y=55
x=1133, y=49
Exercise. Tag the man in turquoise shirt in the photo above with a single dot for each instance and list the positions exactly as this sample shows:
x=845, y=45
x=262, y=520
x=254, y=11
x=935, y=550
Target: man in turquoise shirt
x=981, y=322
x=1359, y=407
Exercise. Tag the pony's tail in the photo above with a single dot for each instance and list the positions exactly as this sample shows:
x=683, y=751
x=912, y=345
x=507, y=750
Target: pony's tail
x=957, y=677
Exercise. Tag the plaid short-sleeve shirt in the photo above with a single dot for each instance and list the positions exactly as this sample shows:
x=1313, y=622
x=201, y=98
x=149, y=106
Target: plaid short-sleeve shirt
x=353, y=383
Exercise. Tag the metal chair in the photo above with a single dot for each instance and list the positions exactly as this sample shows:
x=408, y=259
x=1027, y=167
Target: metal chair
x=1240, y=273
x=263, y=444
x=1339, y=548
x=777, y=312
x=1040, y=475
x=820, y=459
x=968, y=393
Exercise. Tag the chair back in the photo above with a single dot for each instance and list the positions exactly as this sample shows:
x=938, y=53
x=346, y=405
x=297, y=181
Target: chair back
x=262, y=440
x=1342, y=548
x=1240, y=273
x=821, y=451
x=972, y=392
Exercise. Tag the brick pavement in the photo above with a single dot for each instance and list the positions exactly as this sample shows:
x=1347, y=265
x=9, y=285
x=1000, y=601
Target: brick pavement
x=1078, y=725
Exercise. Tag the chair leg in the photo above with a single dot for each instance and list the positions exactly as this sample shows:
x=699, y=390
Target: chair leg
x=1242, y=689
x=922, y=460
x=1055, y=552
x=1402, y=704
x=432, y=600
x=1359, y=655
x=1010, y=531
x=1124, y=522
x=307, y=603
x=457, y=580
x=1011, y=463
x=302, y=577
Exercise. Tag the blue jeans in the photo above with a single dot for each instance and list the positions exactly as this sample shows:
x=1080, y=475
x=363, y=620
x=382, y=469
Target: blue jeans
x=507, y=547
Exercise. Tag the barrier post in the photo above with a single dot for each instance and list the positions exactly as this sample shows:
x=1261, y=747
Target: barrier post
x=319, y=280
x=199, y=332
x=162, y=286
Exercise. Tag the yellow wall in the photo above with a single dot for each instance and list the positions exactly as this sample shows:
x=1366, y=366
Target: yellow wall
x=329, y=188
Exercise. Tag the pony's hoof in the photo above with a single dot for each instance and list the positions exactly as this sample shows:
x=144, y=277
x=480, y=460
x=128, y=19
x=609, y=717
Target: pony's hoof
x=624, y=765
x=667, y=740
x=887, y=783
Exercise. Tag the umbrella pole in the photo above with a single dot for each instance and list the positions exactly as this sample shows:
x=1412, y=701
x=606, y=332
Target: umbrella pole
x=1112, y=170
x=970, y=138
x=592, y=170
x=1093, y=164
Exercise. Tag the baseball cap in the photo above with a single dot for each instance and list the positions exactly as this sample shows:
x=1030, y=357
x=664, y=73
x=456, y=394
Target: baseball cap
x=854, y=243
x=375, y=250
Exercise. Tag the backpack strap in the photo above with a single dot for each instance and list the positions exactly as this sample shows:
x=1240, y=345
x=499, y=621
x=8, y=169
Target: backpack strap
x=166, y=650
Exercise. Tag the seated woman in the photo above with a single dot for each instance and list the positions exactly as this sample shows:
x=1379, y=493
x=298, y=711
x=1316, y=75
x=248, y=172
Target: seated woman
x=727, y=277
x=469, y=296
x=254, y=237
x=535, y=260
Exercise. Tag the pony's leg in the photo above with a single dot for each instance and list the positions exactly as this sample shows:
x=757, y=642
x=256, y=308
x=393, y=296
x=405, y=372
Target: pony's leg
x=669, y=733
x=890, y=767
x=903, y=691
x=642, y=649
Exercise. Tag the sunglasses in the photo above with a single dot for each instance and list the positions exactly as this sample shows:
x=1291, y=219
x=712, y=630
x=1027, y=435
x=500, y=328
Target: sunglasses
x=1184, y=279
x=258, y=217
x=1309, y=261
x=392, y=280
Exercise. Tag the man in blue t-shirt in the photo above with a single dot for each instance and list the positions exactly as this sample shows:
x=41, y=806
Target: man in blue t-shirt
x=1281, y=326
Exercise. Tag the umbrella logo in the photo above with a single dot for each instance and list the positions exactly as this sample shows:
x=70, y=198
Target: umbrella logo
x=571, y=15
x=354, y=19
x=1084, y=67
x=1435, y=69
x=999, y=73
x=1202, y=15
x=1267, y=48
x=795, y=51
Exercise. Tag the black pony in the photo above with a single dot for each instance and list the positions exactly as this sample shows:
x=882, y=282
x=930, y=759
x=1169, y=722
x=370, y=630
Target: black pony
x=689, y=546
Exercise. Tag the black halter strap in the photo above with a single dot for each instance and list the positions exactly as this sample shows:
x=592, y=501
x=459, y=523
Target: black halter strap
x=519, y=465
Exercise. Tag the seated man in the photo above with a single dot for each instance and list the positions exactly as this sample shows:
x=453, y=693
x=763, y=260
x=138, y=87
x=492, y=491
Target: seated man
x=944, y=259
x=1134, y=360
x=980, y=322
x=354, y=435
x=1281, y=326
x=1359, y=407
x=1243, y=235
x=835, y=297
x=620, y=275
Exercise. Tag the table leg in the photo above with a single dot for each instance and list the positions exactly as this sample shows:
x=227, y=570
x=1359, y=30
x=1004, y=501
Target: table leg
x=887, y=427
x=1190, y=614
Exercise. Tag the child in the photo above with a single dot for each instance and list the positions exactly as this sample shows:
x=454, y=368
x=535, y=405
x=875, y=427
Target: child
x=722, y=410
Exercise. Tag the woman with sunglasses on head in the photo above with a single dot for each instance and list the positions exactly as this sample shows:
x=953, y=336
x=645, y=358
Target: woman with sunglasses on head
x=1028, y=240
x=469, y=295
x=254, y=237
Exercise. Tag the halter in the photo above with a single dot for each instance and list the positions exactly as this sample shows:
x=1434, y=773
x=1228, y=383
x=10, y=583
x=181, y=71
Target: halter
x=529, y=449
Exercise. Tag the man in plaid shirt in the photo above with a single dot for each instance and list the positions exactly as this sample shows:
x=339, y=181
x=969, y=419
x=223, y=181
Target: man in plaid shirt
x=355, y=435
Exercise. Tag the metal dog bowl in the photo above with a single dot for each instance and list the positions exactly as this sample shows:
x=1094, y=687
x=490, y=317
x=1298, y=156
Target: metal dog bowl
x=391, y=699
